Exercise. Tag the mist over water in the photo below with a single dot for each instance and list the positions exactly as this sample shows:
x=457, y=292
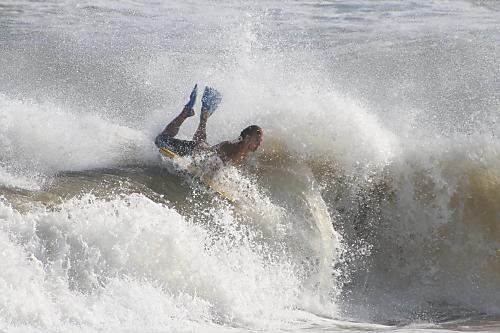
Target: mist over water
x=372, y=204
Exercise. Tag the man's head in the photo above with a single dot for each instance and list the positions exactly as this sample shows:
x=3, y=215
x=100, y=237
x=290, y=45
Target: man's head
x=251, y=137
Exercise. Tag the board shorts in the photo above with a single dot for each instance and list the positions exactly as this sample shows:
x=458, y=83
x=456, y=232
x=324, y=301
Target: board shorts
x=180, y=147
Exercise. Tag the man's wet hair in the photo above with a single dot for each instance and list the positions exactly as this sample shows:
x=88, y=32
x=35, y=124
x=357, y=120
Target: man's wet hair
x=250, y=130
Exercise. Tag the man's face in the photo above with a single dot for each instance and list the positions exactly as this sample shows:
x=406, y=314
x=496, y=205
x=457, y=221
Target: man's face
x=253, y=141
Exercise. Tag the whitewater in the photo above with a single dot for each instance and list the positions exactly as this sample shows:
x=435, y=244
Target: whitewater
x=371, y=206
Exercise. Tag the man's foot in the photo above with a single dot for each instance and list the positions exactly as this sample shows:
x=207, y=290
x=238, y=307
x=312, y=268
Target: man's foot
x=188, y=108
x=210, y=101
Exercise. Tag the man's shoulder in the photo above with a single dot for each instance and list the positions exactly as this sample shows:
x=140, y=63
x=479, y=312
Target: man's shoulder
x=225, y=149
x=224, y=145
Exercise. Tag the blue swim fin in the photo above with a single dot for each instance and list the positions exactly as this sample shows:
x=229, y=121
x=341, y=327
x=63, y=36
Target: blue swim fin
x=210, y=100
x=192, y=100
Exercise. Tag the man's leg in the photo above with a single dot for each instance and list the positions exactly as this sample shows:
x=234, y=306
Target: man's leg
x=166, y=138
x=201, y=133
x=209, y=103
x=172, y=128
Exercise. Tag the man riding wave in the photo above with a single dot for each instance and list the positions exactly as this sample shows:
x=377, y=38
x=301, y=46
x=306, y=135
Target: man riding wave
x=233, y=152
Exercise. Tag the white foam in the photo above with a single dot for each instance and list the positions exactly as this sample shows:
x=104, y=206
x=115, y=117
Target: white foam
x=29, y=182
x=43, y=137
x=130, y=262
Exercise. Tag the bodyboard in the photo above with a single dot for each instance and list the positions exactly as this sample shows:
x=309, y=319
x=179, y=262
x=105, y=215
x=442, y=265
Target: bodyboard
x=204, y=179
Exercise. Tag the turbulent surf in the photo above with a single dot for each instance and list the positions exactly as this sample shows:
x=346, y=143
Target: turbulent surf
x=372, y=204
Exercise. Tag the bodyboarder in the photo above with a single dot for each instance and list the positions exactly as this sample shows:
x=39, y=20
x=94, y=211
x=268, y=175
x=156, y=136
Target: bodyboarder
x=233, y=152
